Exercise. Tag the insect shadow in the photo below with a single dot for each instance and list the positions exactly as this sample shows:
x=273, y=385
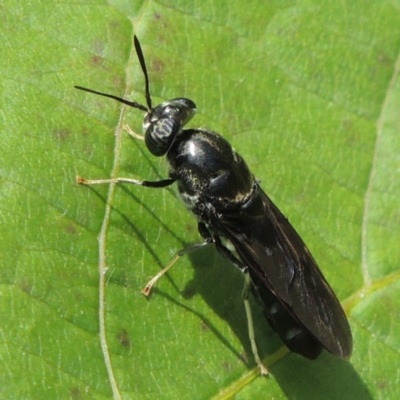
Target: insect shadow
x=336, y=377
x=223, y=296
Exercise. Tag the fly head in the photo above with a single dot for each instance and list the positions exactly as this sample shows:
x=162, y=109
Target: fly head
x=161, y=124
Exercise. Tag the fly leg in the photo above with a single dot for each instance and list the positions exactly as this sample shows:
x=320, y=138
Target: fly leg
x=250, y=325
x=155, y=184
x=225, y=252
x=130, y=132
x=204, y=232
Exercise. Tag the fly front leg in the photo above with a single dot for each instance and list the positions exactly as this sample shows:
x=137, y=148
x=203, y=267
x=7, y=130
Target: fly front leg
x=131, y=133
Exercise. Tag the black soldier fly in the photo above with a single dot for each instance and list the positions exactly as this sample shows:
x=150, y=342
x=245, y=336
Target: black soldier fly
x=217, y=186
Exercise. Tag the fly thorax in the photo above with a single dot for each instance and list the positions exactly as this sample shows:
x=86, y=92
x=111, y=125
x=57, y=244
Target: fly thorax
x=206, y=166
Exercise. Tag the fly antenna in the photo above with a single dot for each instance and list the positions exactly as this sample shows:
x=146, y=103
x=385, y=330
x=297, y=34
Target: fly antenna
x=139, y=53
x=133, y=104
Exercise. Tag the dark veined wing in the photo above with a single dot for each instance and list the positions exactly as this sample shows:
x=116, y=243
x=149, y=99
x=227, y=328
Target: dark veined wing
x=283, y=269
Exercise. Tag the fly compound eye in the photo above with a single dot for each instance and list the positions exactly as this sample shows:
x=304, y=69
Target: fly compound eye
x=164, y=122
x=160, y=135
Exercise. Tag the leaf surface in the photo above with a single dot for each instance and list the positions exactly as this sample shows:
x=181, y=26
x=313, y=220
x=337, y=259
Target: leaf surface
x=307, y=93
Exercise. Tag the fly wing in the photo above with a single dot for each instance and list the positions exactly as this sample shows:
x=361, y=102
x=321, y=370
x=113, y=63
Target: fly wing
x=278, y=258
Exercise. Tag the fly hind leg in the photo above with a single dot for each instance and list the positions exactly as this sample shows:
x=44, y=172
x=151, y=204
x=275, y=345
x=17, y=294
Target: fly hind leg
x=225, y=252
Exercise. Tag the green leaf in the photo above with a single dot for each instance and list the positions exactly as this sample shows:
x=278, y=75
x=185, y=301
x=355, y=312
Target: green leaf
x=307, y=92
